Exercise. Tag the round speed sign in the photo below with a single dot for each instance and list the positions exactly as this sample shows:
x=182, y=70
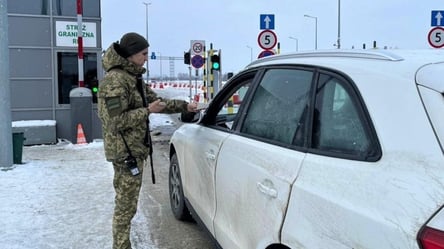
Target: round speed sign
x=436, y=37
x=267, y=39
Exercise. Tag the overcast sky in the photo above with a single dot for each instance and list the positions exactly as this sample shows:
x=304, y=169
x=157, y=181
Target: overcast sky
x=233, y=25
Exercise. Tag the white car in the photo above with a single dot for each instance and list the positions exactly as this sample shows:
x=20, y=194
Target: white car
x=319, y=150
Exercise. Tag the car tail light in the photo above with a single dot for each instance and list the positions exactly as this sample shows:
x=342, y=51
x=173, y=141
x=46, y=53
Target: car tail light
x=430, y=238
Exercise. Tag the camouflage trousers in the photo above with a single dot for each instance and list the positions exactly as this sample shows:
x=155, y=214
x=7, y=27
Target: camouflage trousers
x=127, y=188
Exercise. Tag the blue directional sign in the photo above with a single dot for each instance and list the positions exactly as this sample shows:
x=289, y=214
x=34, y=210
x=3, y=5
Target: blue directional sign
x=267, y=21
x=153, y=56
x=437, y=18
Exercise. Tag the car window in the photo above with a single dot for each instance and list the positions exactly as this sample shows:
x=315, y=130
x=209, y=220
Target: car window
x=227, y=114
x=338, y=126
x=277, y=105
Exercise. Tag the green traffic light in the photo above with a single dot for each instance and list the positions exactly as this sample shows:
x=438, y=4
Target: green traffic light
x=95, y=89
x=215, y=62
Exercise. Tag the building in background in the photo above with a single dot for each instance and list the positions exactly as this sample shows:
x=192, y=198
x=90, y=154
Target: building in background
x=43, y=59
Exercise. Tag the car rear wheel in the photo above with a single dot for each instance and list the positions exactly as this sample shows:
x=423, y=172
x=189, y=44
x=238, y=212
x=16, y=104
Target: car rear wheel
x=177, y=199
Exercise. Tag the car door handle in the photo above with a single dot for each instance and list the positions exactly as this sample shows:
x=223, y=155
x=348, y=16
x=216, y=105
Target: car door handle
x=267, y=188
x=210, y=155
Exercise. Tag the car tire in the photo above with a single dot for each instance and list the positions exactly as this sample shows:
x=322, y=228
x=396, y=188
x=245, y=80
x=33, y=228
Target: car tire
x=177, y=199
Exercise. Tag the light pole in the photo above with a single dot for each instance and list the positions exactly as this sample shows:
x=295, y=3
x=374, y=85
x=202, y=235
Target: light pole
x=147, y=64
x=339, y=25
x=296, y=39
x=160, y=60
x=316, y=29
x=251, y=53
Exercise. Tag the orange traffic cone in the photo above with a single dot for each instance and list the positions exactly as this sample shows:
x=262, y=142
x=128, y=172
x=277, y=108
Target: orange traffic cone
x=80, y=135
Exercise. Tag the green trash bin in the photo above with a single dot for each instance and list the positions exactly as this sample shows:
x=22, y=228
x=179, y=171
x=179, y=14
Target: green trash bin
x=17, y=146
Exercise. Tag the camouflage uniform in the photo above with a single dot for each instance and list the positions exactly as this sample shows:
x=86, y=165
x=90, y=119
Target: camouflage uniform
x=122, y=109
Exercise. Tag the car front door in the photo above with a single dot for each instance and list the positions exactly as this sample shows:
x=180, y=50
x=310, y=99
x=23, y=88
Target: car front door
x=202, y=149
x=258, y=164
x=198, y=179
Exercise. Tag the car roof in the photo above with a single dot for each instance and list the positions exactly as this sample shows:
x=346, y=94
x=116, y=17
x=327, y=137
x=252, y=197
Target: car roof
x=416, y=57
x=392, y=63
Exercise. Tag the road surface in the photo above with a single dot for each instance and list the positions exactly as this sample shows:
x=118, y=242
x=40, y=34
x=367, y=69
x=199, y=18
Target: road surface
x=163, y=229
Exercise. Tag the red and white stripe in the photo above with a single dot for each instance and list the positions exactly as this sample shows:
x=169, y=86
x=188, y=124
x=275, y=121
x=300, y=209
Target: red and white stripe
x=80, y=42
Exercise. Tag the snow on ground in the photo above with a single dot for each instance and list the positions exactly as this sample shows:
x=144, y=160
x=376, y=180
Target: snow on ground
x=62, y=194
x=60, y=197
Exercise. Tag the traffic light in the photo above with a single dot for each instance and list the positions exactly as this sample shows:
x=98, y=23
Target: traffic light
x=215, y=62
x=186, y=58
x=94, y=86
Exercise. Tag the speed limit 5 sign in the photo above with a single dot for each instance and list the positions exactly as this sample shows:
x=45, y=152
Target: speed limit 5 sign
x=267, y=39
x=436, y=37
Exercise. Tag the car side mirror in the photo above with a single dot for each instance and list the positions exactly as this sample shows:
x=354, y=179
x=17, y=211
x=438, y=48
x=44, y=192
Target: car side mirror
x=190, y=117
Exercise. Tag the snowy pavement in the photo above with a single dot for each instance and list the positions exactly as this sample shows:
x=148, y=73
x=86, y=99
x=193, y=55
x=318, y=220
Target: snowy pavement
x=62, y=197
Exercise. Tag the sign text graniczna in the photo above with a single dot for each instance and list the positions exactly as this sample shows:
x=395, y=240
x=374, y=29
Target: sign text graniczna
x=72, y=31
x=66, y=33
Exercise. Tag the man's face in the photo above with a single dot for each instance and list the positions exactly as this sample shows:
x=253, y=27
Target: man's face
x=139, y=58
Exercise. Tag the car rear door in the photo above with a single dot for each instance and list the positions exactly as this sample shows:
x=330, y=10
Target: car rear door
x=365, y=182
x=258, y=164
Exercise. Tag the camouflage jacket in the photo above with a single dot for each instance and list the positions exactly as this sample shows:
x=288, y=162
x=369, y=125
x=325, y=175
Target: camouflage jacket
x=121, y=107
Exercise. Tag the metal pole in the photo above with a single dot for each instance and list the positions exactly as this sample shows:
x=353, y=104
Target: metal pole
x=211, y=85
x=339, y=24
x=218, y=84
x=80, y=42
x=6, y=152
x=296, y=39
x=147, y=61
x=316, y=29
x=251, y=53
x=160, y=62
x=316, y=33
x=195, y=84
x=204, y=75
x=189, y=69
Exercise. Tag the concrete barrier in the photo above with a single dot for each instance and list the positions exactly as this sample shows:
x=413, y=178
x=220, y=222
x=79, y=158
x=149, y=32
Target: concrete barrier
x=36, y=131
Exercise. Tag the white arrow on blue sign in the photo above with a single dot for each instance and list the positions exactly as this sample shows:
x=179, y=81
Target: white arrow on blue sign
x=267, y=21
x=437, y=18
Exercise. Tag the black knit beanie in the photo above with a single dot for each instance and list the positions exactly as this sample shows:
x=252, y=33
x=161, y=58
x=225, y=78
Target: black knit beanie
x=132, y=43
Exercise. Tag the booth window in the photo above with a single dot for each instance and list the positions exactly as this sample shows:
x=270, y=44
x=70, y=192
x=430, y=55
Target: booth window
x=68, y=77
x=69, y=8
x=91, y=8
x=28, y=7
